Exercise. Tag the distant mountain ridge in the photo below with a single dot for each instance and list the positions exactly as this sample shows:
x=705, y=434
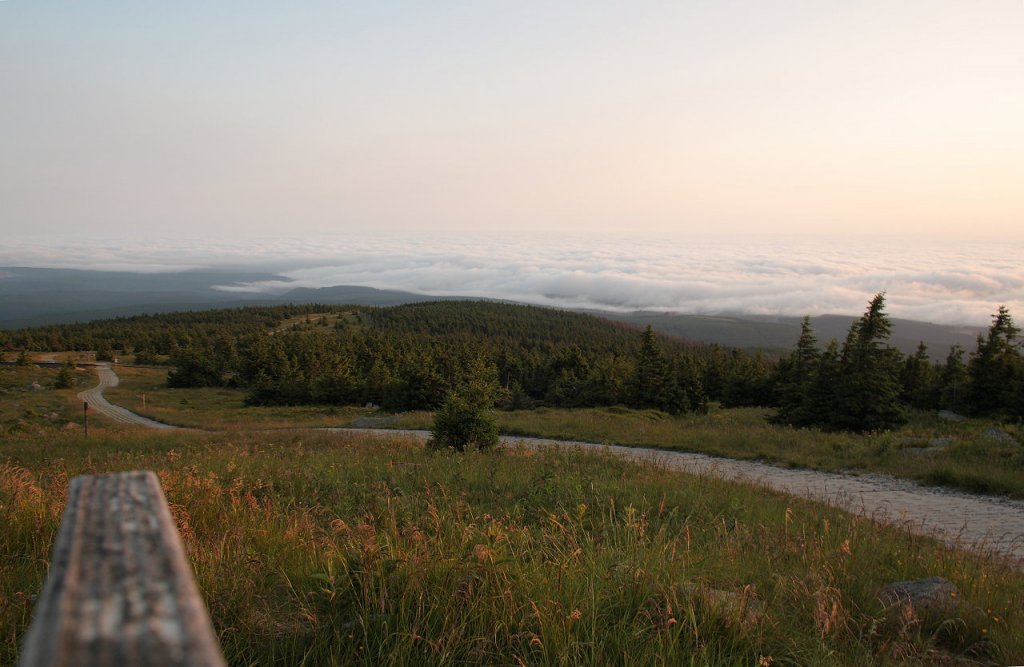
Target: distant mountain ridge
x=33, y=297
x=781, y=332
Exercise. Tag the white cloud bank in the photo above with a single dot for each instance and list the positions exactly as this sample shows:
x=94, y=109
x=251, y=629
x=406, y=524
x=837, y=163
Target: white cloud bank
x=954, y=285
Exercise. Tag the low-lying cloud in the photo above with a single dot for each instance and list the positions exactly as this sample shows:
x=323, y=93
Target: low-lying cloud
x=944, y=284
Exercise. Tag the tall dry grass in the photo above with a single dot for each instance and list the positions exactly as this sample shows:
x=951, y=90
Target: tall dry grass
x=336, y=549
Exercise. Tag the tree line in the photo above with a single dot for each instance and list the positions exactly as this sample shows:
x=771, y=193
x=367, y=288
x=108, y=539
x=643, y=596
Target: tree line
x=413, y=356
x=867, y=385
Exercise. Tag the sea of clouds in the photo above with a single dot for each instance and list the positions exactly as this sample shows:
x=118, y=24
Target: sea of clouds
x=946, y=283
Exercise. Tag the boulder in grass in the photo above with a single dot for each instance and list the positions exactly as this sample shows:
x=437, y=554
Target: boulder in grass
x=998, y=435
x=742, y=609
x=932, y=598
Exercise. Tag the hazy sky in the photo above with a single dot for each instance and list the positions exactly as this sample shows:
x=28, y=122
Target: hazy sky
x=711, y=117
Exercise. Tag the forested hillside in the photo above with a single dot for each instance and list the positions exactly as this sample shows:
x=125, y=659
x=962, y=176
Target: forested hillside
x=411, y=356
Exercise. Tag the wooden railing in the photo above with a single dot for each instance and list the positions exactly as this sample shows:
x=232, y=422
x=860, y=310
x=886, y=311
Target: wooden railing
x=120, y=590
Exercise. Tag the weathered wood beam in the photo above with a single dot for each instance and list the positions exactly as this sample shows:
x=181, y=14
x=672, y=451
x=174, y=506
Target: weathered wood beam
x=120, y=590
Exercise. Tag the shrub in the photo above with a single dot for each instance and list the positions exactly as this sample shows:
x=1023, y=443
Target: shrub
x=460, y=423
x=464, y=418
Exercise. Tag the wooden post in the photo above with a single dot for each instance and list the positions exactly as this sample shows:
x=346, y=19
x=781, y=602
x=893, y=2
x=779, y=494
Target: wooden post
x=120, y=590
x=85, y=412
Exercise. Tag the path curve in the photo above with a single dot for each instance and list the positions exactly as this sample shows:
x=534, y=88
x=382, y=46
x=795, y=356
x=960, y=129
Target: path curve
x=98, y=403
x=979, y=523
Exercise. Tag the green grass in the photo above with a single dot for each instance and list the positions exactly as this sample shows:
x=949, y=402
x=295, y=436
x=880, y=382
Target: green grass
x=332, y=548
x=216, y=408
x=30, y=404
x=972, y=462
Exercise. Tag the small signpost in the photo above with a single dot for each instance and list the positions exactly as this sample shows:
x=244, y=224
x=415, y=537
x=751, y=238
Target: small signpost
x=85, y=411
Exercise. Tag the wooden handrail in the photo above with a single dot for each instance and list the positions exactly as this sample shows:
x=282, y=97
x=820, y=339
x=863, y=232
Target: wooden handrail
x=120, y=590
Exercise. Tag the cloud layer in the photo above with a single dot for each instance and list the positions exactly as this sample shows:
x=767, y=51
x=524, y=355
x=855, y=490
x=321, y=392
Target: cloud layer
x=961, y=285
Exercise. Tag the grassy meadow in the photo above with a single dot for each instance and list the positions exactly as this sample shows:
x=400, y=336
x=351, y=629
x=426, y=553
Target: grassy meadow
x=327, y=548
x=30, y=404
x=317, y=548
x=928, y=449
x=215, y=408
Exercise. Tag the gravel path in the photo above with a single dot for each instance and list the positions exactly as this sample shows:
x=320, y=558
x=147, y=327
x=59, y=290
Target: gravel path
x=97, y=403
x=980, y=523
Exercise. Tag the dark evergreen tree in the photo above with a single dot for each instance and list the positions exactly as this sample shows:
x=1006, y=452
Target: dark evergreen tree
x=195, y=369
x=104, y=352
x=953, y=381
x=996, y=368
x=606, y=382
x=869, y=390
x=66, y=377
x=652, y=384
x=823, y=394
x=418, y=385
x=796, y=375
x=689, y=374
x=918, y=380
x=748, y=381
x=464, y=418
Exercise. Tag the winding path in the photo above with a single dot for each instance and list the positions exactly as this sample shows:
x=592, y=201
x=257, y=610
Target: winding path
x=980, y=523
x=94, y=397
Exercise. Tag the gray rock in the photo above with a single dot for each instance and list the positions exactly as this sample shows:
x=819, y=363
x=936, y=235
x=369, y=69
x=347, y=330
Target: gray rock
x=742, y=609
x=932, y=598
x=998, y=435
x=941, y=443
x=951, y=416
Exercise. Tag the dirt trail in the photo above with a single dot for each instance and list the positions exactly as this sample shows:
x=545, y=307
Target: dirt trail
x=980, y=523
x=97, y=403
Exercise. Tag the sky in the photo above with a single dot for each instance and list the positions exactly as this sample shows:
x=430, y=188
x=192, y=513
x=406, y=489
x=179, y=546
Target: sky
x=703, y=121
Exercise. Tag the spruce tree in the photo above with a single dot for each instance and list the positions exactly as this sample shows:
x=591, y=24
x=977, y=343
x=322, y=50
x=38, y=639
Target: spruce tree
x=653, y=385
x=918, y=380
x=464, y=418
x=66, y=376
x=953, y=379
x=996, y=367
x=795, y=378
x=822, y=402
x=868, y=390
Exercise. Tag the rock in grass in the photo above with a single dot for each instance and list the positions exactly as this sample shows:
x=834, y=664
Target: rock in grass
x=998, y=435
x=932, y=598
x=741, y=609
x=951, y=416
